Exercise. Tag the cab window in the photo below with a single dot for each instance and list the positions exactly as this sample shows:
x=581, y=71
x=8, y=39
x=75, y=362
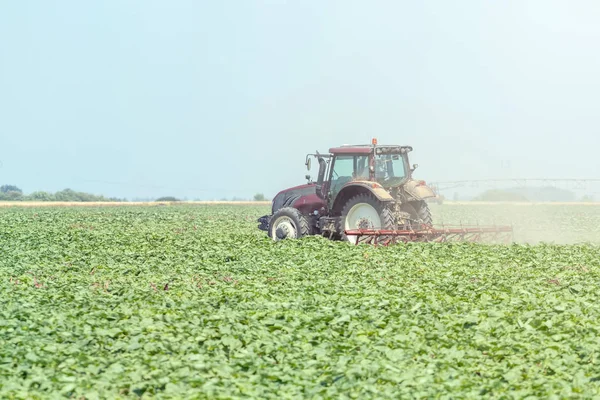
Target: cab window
x=348, y=168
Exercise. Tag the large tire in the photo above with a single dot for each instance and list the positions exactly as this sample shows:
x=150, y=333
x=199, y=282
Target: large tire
x=288, y=223
x=424, y=213
x=364, y=211
x=419, y=211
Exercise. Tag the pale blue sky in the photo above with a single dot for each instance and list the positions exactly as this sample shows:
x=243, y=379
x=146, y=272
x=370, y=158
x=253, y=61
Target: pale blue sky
x=207, y=99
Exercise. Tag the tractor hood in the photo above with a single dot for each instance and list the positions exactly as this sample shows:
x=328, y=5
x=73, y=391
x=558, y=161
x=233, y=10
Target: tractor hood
x=287, y=197
x=309, y=186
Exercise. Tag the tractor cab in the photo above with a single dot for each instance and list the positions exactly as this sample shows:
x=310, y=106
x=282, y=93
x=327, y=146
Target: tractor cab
x=387, y=166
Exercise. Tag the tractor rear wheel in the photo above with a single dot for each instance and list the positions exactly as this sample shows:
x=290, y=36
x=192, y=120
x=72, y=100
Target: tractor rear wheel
x=364, y=211
x=288, y=223
x=419, y=212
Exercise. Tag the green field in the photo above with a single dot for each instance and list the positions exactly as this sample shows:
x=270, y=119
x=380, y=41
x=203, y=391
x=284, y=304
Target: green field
x=194, y=301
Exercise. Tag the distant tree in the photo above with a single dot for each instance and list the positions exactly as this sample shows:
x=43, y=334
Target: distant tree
x=70, y=195
x=66, y=195
x=11, y=196
x=549, y=194
x=40, y=196
x=167, y=198
x=10, y=188
x=259, y=197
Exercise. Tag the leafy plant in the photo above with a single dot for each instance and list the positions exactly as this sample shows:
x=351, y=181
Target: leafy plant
x=194, y=301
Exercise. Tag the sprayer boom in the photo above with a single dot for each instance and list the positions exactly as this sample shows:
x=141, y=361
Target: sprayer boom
x=497, y=234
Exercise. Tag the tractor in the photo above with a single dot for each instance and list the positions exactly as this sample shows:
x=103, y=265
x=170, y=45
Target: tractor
x=363, y=194
x=357, y=187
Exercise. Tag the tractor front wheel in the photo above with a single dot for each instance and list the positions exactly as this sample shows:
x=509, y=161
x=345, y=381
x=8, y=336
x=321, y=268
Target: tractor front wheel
x=288, y=223
x=364, y=211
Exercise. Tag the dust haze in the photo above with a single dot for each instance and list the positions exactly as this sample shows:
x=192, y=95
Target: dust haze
x=532, y=223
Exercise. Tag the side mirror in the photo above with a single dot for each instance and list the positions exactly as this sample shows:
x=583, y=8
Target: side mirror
x=415, y=166
x=308, y=164
x=307, y=177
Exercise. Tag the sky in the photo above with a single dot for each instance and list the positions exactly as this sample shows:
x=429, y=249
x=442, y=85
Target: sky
x=221, y=99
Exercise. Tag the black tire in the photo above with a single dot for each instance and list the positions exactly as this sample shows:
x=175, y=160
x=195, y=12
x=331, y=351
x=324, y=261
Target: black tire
x=419, y=211
x=295, y=218
x=385, y=214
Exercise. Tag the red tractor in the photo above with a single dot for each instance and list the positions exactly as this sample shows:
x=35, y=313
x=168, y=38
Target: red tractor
x=358, y=187
x=363, y=193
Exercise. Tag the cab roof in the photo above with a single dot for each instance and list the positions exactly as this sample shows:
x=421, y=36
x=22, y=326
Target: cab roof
x=364, y=149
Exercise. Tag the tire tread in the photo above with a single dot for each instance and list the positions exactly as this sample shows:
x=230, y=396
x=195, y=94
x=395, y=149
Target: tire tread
x=299, y=219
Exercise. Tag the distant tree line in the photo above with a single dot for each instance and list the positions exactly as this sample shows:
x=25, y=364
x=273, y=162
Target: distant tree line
x=256, y=197
x=14, y=193
x=167, y=198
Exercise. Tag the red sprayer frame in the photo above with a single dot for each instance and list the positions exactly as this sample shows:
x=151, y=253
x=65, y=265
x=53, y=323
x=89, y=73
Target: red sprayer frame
x=502, y=234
